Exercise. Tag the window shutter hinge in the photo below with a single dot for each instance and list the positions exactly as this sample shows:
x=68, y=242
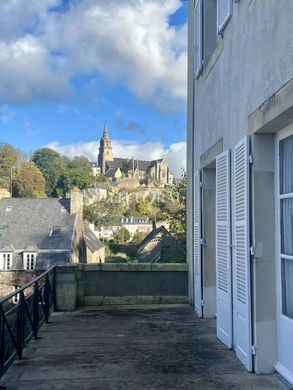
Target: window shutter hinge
x=251, y=250
x=253, y=350
x=202, y=302
x=201, y=241
x=250, y=159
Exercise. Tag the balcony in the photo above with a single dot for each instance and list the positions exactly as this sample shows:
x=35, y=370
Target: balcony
x=116, y=327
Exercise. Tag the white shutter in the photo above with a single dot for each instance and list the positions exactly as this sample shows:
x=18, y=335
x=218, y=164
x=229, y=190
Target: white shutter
x=197, y=245
x=241, y=258
x=197, y=38
x=223, y=249
x=224, y=12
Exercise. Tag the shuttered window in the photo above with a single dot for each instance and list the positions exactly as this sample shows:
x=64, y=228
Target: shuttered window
x=197, y=39
x=224, y=13
x=223, y=249
x=197, y=244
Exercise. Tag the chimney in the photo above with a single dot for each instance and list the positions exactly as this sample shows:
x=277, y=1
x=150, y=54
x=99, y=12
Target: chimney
x=76, y=201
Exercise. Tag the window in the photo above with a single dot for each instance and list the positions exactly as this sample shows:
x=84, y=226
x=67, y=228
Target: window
x=2, y=231
x=224, y=13
x=55, y=231
x=8, y=209
x=6, y=261
x=210, y=19
x=29, y=261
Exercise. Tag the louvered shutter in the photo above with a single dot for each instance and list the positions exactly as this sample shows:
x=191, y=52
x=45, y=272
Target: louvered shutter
x=197, y=38
x=241, y=255
x=223, y=249
x=224, y=12
x=197, y=245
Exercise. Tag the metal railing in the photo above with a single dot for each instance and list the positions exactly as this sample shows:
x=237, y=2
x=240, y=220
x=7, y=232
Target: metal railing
x=22, y=313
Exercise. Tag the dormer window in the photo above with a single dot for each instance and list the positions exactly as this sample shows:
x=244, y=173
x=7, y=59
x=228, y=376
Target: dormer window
x=8, y=209
x=5, y=261
x=29, y=260
x=55, y=231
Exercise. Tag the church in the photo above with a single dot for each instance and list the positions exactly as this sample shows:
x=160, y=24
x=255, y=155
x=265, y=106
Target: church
x=116, y=167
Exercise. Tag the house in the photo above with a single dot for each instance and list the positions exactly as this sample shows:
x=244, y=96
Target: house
x=160, y=246
x=38, y=233
x=132, y=224
x=117, y=167
x=95, y=249
x=240, y=176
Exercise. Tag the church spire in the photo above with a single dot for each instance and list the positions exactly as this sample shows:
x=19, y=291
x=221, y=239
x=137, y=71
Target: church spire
x=105, y=133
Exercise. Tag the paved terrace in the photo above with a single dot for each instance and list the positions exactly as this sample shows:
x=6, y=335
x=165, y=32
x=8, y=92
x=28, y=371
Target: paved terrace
x=131, y=347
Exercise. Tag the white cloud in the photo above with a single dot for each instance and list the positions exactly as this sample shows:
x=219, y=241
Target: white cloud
x=175, y=153
x=26, y=73
x=127, y=41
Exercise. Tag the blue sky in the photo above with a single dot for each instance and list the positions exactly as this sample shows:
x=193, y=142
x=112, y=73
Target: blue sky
x=67, y=67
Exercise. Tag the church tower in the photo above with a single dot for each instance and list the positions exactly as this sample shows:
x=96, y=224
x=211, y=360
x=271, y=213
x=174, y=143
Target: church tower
x=105, y=151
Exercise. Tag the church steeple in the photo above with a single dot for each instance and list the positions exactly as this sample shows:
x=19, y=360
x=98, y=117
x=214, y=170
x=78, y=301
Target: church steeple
x=105, y=151
x=105, y=133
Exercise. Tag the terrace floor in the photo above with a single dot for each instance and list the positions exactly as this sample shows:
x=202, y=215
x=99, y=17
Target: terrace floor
x=131, y=347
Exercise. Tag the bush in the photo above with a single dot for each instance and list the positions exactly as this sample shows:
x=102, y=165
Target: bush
x=122, y=236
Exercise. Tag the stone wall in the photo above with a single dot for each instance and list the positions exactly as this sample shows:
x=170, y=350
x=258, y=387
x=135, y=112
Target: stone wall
x=11, y=279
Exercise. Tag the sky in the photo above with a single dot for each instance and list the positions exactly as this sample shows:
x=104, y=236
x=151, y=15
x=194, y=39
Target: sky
x=69, y=66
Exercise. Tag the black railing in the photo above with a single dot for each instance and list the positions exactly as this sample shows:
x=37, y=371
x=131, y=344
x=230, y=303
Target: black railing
x=22, y=313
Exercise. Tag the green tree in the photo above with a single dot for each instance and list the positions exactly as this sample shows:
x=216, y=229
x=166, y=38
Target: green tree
x=138, y=237
x=50, y=164
x=144, y=207
x=28, y=181
x=103, y=213
x=9, y=158
x=122, y=236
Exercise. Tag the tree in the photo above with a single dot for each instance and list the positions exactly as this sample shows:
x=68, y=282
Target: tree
x=28, y=181
x=144, y=207
x=103, y=213
x=138, y=237
x=50, y=164
x=9, y=158
x=122, y=236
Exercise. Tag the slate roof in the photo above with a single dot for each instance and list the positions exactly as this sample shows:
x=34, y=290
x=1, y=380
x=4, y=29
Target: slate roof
x=29, y=222
x=119, y=162
x=152, y=235
x=91, y=240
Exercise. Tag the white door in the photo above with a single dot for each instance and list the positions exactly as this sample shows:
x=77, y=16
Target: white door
x=241, y=253
x=223, y=249
x=284, y=229
x=197, y=245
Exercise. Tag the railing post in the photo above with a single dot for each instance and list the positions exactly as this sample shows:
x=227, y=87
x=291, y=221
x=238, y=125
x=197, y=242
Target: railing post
x=36, y=310
x=2, y=339
x=47, y=298
x=53, y=290
x=20, y=325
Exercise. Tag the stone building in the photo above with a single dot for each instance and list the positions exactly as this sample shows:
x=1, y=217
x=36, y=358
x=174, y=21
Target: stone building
x=240, y=176
x=116, y=168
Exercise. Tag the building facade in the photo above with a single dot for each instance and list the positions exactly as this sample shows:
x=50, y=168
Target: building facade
x=240, y=176
x=117, y=168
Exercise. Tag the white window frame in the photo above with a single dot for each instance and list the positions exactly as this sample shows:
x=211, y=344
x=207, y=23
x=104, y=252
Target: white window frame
x=4, y=258
x=197, y=39
x=221, y=24
x=29, y=261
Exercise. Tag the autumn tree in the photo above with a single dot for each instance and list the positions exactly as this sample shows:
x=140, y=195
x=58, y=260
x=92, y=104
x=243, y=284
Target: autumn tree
x=28, y=181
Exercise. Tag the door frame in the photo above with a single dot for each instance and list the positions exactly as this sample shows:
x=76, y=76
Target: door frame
x=279, y=367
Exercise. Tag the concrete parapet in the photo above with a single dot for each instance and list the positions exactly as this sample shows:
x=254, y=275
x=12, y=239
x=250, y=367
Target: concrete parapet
x=100, y=284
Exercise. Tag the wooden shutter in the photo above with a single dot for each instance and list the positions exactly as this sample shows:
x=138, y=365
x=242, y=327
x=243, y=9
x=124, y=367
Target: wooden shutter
x=241, y=256
x=224, y=12
x=197, y=245
x=223, y=249
x=197, y=38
